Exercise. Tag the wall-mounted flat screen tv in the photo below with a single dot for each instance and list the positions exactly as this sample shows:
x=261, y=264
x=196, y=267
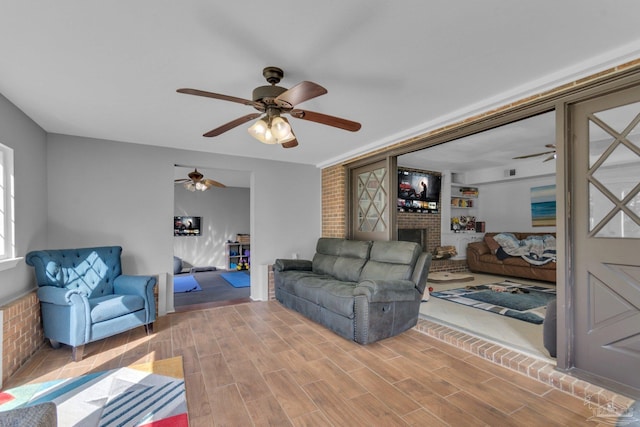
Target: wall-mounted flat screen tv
x=186, y=225
x=418, y=191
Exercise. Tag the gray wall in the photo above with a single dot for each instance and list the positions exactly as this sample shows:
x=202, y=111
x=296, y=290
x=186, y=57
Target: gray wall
x=225, y=213
x=73, y=191
x=106, y=192
x=28, y=141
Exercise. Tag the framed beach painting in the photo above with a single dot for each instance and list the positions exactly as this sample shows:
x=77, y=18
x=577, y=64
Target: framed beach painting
x=543, y=206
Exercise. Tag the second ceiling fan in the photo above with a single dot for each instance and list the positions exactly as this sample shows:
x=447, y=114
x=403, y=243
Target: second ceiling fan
x=551, y=152
x=272, y=101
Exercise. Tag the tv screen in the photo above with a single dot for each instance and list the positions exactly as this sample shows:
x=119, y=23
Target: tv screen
x=186, y=225
x=418, y=191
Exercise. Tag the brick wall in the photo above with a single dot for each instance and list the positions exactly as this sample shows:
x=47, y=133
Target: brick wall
x=271, y=284
x=423, y=220
x=22, y=333
x=334, y=215
x=451, y=266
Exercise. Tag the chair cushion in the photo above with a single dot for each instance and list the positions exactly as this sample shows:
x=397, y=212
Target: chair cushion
x=112, y=306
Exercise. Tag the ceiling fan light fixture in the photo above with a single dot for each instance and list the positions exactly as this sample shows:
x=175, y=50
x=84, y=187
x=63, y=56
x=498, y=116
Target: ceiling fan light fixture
x=260, y=131
x=193, y=186
x=280, y=128
x=273, y=131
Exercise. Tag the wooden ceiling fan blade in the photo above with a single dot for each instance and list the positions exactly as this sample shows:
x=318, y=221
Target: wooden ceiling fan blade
x=290, y=144
x=551, y=157
x=206, y=94
x=211, y=183
x=301, y=92
x=180, y=181
x=326, y=119
x=232, y=124
x=534, y=155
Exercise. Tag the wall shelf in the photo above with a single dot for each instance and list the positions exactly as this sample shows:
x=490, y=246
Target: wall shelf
x=236, y=252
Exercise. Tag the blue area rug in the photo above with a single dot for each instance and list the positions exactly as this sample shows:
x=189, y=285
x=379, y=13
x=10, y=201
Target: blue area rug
x=237, y=279
x=511, y=299
x=185, y=284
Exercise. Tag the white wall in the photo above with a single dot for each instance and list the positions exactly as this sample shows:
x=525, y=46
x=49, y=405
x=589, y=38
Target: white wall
x=506, y=205
x=28, y=141
x=106, y=192
x=225, y=213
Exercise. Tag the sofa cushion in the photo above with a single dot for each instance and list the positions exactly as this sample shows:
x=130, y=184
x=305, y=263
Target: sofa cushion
x=339, y=258
x=287, y=279
x=112, y=306
x=337, y=296
x=310, y=287
x=391, y=261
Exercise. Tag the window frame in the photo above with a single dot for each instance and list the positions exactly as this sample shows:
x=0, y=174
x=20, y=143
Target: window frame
x=8, y=257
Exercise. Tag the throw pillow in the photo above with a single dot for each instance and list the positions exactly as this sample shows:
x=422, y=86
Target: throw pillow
x=491, y=242
x=501, y=254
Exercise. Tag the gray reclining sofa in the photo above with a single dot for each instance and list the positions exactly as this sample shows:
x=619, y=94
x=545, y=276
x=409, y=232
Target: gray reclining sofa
x=364, y=291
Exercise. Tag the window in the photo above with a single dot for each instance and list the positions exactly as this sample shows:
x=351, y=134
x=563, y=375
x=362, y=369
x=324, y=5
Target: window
x=7, y=222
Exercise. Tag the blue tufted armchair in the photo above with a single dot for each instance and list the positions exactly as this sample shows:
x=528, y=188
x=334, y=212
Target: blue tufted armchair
x=84, y=296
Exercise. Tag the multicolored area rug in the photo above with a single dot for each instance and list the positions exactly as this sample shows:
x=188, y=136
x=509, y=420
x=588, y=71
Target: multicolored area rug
x=511, y=299
x=150, y=394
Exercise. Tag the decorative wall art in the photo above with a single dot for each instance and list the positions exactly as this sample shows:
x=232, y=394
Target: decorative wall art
x=543, y=206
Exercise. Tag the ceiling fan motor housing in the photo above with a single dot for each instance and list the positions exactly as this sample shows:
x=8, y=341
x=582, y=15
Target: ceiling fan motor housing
x=268, y=94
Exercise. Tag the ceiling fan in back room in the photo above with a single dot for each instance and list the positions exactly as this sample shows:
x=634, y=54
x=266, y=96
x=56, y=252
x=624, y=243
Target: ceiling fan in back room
x=551, y=152
x=272, y=102
x=197, y=181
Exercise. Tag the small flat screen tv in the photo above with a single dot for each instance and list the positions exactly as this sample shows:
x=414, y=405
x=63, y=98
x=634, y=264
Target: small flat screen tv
x=186, y=225
x=418, y=191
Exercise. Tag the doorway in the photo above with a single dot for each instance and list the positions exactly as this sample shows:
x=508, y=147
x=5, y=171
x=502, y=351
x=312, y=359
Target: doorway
x=503, y=164
x=203, y=254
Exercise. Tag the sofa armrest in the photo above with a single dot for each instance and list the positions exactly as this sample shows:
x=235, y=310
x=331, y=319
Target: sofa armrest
x=68, y=307
x=61, y=296
x=478, y=248
x=133, y=285
x=293, y=264
x=387, y=290
x=141, y=286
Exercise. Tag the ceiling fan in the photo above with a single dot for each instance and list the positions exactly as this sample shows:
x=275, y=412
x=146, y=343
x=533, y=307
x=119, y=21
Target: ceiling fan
x=551, y=157
x=197, y=181
x=271, y=102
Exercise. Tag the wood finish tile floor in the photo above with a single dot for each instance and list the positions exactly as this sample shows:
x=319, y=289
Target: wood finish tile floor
x=258, y=364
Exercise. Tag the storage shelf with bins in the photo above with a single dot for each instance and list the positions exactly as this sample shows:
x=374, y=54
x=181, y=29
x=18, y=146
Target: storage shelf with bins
x=236, y=252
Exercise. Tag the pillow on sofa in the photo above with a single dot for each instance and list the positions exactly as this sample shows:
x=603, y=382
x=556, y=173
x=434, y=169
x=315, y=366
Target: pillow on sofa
x=491, y=242
x=501, y=254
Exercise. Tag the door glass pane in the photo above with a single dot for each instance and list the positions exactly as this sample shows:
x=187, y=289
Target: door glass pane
x=614, y=160
x=619, y=118
x=600, y=206
x=372, y=200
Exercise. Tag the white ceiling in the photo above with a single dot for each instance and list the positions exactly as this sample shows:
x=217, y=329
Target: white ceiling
x=496, y=147
x=110, y=69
